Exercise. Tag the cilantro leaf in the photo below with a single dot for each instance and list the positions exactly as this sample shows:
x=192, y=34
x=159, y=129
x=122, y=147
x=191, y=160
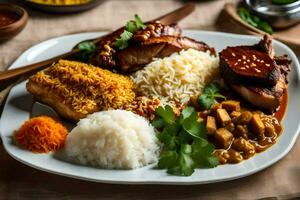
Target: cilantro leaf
x=139, y=23
x=167, y=159
x=205, y=102
x=185, y=164
x=167, y=114
x=87, y=50
x=122, y=42
x=158, y=122
x=203, y=154
x=187, y=111
x=185, y=147
x=195, y=129
x=210, y=93
x=131, y=26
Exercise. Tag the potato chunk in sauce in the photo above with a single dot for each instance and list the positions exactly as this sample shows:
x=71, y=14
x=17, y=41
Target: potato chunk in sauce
x=240, y=133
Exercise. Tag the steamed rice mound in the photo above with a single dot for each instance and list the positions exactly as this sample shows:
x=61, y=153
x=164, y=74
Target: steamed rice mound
x=178, y=77
x=113, y=139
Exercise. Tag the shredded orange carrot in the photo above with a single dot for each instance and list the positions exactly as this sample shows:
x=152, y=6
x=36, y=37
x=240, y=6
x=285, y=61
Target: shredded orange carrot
x=41, y=135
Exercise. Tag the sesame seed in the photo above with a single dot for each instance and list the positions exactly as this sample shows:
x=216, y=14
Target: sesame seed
x=248, y=60
x=268, y=65
x=244, y=57
x=244, y=62
x=243, y=68
x=247, y=66
x=258, y=60
x=233, y=54
x=239, y=60
x=262, y=61
x=235, y=63
x=257, y=70
x=253, y=64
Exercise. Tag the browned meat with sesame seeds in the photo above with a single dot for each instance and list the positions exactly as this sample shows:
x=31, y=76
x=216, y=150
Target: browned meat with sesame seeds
x=256, y=74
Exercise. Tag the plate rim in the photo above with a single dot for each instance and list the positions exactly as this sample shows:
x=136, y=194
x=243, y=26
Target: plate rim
x=194, y=182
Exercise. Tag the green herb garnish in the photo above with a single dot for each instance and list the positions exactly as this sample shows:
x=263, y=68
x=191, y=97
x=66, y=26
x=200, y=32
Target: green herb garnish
x=122, y=42
x=254, y=20
x=283, y=2
x=139, y=23
x=185, y=147
x=130, y=28
x=209, y=95
x=87, y=50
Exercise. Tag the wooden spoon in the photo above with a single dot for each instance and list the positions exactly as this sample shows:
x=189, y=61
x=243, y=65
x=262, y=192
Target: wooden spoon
x=167, y=19
x=290, y=35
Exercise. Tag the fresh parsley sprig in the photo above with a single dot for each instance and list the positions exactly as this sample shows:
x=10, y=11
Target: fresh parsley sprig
x=185, y=146
x=254, y=20
x=130, y=28
x=87, y=50
x=209, y=95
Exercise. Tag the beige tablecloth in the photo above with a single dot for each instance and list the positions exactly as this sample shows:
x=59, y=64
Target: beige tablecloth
x=18, y=181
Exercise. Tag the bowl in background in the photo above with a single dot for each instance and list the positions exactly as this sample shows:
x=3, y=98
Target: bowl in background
x=10, y=30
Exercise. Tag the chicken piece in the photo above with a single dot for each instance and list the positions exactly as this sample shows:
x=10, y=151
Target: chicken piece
x=156, y=41
x=234, y=156
x=240, y=144
x=136, y=57
x=243, y=119
x=75, y=89
x=223, y=117
x=257, y=126
x=214, y=108
x=241, y=131
x=234, y=114
x=231, y=105
x=264, y=98
x=270, y=130
x=211, y=125
x=224, y=137
x=256, y=74
x=230, y=127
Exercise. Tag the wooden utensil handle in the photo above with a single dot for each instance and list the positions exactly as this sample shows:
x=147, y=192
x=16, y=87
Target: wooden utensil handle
x=28, y=69
x=168, y=19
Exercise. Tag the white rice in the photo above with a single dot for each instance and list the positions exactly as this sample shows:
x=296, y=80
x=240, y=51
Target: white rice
x=113, y=139
x=178, y=77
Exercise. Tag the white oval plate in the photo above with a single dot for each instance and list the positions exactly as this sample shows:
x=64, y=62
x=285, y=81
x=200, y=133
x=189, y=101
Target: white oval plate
x=18, y=104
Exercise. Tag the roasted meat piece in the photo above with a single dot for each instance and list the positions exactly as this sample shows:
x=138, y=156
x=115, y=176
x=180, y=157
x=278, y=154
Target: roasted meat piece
x=255, y=73
x=75, y=89
x=156, y=41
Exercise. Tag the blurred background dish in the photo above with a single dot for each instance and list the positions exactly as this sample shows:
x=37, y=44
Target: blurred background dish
x=256, y=26
x=13, y=19
x=62, y=6
x=279, y=15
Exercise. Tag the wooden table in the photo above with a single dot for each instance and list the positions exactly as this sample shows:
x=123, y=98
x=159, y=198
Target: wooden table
x=18, y=181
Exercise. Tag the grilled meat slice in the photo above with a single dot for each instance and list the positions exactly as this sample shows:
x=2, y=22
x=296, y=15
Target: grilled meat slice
x=105, y=53
x=135, y=57
x=264, y=98
x=75, y=89
x=156, y=41
x=261, y=80
x=248, y=64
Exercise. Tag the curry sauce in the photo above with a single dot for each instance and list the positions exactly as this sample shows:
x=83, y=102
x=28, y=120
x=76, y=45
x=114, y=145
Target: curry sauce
x=241, y=140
